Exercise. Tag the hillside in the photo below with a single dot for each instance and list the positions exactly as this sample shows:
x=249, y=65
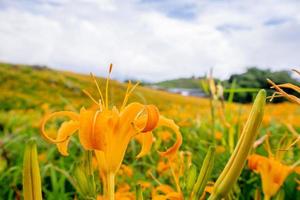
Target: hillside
x=27, y=89
x=28, y=93
x=189, y=83
x=24, y=87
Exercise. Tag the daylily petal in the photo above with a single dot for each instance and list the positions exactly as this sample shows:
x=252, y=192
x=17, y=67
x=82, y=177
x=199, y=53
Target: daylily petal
x=86, y=136
x=168, y=193
x=127, y=118
x=65, y=131
x=146, y=140
x=174, y=196
x=272, y=172
x=95, y=128
x=71, y=115
x=297, y=170
x=163, y=189
x=152, y=118
x=102, y=163
x=130, y=112
x=170, y=124
x=144, y=117
x=255, y=160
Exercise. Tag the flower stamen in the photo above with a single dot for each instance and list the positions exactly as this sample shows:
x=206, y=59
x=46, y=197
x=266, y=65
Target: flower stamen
x=90, y=96
x=98, y=88
x=106, y=88
x=129, y=90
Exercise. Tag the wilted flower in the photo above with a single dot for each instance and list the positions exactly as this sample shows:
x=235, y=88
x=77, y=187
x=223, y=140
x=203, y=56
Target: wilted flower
x=281, y=93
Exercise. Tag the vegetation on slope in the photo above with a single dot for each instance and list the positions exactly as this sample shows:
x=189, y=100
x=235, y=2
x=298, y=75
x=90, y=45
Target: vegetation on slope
x=28, y=93
x=188, y=83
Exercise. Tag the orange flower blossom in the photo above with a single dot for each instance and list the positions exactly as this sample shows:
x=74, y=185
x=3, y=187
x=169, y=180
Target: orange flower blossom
x=272, y=170
x=108, y=131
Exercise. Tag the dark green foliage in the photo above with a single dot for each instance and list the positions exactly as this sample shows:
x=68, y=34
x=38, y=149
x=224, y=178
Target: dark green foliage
x=189, y=83
x=256, y=78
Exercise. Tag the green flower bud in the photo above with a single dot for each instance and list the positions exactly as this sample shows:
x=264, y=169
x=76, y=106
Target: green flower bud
x=84, y=177
x=31, y=173
x=238, y=158
x=204, y=174
x=191, y=178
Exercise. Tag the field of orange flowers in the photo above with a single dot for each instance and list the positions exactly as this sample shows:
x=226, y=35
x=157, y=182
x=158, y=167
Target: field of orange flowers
x=70, y=136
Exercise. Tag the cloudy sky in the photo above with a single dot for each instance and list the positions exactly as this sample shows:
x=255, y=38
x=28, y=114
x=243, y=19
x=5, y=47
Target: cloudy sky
x=151, y=39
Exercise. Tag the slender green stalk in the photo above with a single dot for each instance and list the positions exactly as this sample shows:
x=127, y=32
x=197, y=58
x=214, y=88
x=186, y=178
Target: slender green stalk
x=212, y=113
x=111, y=186
x=267, y=197
x=139, y=193
x=257, y=195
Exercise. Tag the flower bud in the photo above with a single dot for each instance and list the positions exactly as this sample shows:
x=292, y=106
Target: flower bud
x=139, y=193
x=191, y=178
x=31, y=173
x=237, y=160
x=84, y=176
x=204, y=174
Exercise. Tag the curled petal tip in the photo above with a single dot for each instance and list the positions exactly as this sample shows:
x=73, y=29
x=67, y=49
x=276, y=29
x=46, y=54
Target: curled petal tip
x=152, y=118
x=171, y=124
x=146, y=140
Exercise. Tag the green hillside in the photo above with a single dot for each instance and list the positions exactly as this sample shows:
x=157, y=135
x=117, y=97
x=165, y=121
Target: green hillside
x=27, y=87
x=189, y=83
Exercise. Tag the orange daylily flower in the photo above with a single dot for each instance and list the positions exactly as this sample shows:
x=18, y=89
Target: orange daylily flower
x=42, y=157
x=273, y=173
x=165, y=192
x=125, y=170
x=123, y=193
x=220, y=149
x=271, y=169
x=164, y=135
x=162, y=166
x=176, y=165
x=108, y=131
x=218, y=135
x=144, y=184
x=208, y=189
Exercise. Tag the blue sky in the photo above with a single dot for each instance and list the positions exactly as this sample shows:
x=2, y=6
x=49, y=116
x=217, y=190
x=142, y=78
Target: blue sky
x=150, y=39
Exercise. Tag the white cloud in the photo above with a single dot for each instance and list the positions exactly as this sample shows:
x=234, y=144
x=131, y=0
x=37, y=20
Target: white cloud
x=151, y=40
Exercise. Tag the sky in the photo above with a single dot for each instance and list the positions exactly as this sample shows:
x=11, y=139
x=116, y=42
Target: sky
x=151, y=40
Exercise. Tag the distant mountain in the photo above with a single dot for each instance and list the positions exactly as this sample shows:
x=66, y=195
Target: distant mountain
x=242, y=87
x=187, y=83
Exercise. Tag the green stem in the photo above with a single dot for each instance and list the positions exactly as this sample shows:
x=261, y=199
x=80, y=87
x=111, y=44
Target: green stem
x=212, y=112
x=111, y=186
x=267, y=197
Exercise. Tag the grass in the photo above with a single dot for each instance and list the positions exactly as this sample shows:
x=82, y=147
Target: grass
x=28, y=93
